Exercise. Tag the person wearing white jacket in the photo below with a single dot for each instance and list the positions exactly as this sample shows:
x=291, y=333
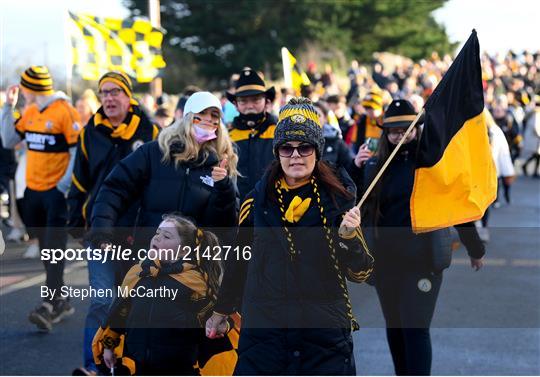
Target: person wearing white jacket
x=531, y=142
x=500, y=152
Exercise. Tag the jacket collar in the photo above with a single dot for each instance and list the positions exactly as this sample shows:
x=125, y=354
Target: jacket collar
x=331, y=209
x=55, y=97
x=208, y=160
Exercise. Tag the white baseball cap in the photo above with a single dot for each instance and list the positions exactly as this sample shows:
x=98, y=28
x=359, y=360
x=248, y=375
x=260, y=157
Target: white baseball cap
x=200, y=101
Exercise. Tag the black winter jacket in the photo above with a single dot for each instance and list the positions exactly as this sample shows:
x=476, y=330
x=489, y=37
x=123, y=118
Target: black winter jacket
x=162, y=334
x=335, y=150
x=97, y=154
x=294, y=312
x=254, y=148
x=163, y=188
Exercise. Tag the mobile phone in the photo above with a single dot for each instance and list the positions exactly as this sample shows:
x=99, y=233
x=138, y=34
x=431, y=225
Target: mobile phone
x=372, y=143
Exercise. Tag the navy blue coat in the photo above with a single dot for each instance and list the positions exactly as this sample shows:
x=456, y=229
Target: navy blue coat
x=294, y=312
x=163, y=188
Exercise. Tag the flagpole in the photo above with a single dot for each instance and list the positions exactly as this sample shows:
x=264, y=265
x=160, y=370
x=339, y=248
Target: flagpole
x=286, y=67
x=156, y=86
x=69, y=60
x=344, y=231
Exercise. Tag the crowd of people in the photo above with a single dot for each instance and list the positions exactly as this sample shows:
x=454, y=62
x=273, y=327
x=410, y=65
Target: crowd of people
x=272, y=170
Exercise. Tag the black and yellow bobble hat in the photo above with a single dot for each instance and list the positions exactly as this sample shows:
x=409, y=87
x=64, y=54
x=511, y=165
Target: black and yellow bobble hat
x=298, y=121
x=118, y=78
x=373, y=100
x=37, y=80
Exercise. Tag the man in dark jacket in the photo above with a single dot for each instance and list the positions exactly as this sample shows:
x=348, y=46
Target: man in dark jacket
x=114, y=131
x=253, y=129
x=118, y=128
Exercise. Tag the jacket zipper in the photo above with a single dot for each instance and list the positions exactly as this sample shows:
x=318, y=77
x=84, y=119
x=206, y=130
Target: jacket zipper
x=182, y=192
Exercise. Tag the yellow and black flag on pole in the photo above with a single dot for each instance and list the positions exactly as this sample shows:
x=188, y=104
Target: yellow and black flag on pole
x=294, y=76
x=107, y=44
x=455, y=179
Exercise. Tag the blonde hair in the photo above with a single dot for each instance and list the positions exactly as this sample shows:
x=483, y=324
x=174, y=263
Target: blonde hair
x=181, y=131
x=91, y=100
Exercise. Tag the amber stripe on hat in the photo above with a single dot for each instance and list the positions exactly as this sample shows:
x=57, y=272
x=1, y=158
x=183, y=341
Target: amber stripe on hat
x=287, y=113
x=399, y=118
x=118, y=78
x=250, y=87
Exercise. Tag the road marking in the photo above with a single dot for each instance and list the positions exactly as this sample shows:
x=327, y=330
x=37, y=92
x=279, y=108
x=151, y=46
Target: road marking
x=526, y=263
x=11, y=279
x=499, y=262
x=38, y=279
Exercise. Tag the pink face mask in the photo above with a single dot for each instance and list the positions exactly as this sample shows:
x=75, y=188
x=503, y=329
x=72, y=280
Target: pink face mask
x=202, y=135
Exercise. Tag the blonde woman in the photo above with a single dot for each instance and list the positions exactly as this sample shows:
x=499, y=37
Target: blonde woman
x=190, y=169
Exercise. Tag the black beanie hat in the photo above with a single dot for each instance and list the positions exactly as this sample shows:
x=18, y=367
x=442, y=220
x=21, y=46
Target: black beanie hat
x=298, y=121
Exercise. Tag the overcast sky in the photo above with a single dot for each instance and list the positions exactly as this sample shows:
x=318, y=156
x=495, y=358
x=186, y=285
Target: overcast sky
x=32, y=31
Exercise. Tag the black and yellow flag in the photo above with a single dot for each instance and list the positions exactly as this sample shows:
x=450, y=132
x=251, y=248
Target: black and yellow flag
x=107, y=44
x=294, y=76
x=455, y=179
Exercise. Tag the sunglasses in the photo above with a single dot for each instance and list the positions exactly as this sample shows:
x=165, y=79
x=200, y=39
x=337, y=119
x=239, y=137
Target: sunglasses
x=303, y=150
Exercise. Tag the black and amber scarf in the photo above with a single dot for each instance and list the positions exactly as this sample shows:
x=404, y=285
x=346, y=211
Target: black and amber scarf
x=129, y=126
x=291, y=213
x=185, y=273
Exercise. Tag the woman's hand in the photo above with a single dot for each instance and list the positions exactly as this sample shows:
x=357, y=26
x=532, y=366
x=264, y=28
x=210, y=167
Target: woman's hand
x=217, y=326
x=352, y=219
x=509, y=180
x=477, y=264
x=362, y=156
x=220, y=172
x=109, y=358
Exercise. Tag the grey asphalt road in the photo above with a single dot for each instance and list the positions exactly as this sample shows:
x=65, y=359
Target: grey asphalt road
x=486, y=322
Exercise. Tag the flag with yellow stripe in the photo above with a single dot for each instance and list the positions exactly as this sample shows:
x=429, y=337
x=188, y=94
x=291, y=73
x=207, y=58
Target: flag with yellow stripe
x=294, y=76
x=455, y=179
x=107, y=44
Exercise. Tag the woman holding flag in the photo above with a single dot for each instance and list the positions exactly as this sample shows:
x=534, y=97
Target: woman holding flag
x=296, y=315
x=408, y=266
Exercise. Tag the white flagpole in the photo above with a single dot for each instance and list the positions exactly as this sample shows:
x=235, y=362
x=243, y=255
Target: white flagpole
x=69, y=55
x=156, y=86
x=286, y=67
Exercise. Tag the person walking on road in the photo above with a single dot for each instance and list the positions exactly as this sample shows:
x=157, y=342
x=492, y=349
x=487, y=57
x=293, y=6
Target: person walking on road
x=117, y=128
x=190, y=168
x=408, y=266
x=531, y=142
x=162, y=334
x=292, y=293
x=50, y=126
